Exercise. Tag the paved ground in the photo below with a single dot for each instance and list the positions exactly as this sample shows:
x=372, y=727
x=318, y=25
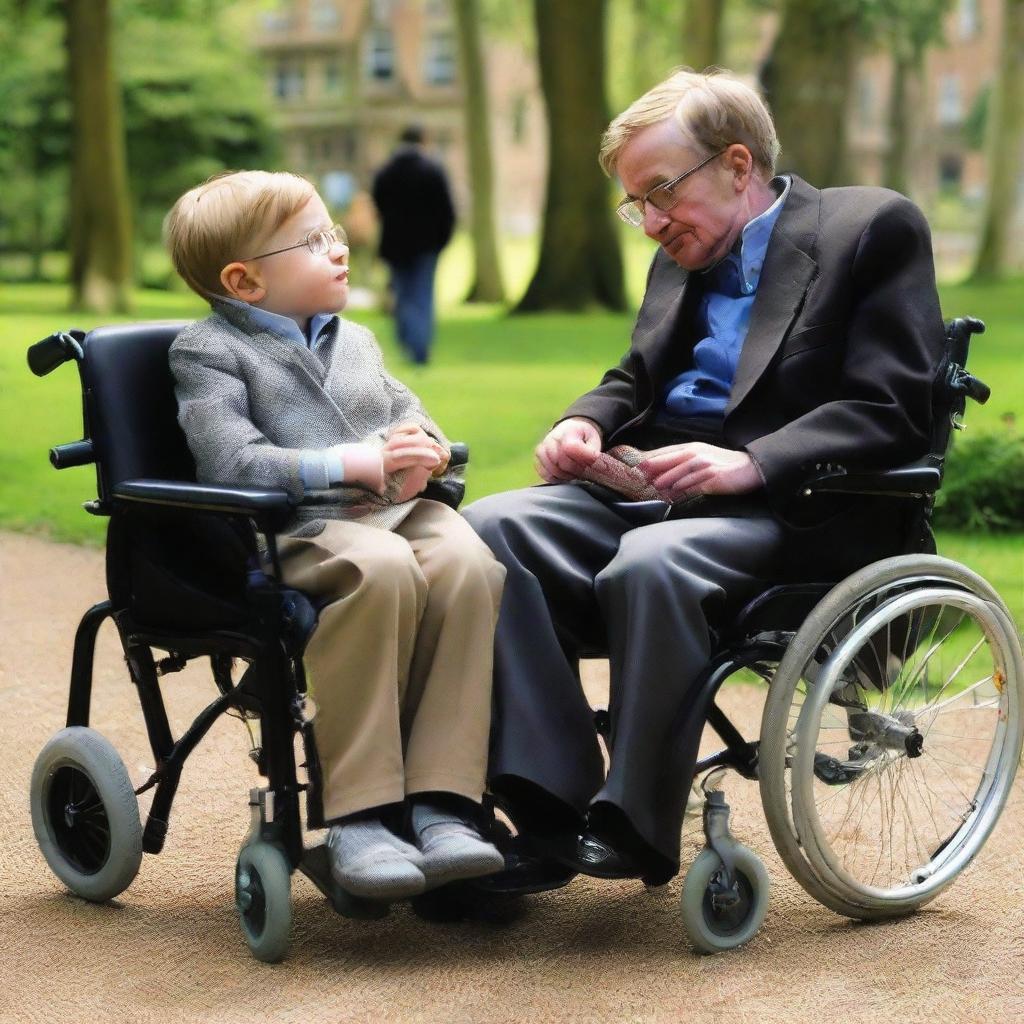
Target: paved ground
x=170, y=950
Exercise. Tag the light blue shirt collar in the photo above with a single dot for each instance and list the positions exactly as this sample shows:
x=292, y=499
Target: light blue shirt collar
x=754, y=238
x=283, y=326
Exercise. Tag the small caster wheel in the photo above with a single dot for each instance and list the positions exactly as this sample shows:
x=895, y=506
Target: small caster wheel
x=263, y=885
x=85, y=814
x=717, y=918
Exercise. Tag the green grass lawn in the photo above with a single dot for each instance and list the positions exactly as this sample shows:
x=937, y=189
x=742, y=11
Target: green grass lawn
x=496, y=382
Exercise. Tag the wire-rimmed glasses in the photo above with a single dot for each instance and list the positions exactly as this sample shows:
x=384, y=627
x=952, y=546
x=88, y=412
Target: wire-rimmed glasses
x=661, y=197
x=318, y=241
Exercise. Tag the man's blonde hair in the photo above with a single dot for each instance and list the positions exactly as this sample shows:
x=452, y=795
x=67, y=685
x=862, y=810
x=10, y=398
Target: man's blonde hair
x=226, y=218
x=713, y=110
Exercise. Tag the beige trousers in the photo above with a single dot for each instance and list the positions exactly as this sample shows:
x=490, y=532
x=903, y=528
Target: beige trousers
x=399, y=665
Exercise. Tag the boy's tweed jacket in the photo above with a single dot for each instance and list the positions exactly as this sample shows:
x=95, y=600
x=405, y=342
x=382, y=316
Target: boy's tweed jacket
x=252, y=404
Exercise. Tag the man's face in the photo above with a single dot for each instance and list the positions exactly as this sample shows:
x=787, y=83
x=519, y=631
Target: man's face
x=298, y=283
x=710, y=210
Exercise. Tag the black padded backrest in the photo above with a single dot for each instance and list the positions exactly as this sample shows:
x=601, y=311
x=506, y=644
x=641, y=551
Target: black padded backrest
x=129, y=407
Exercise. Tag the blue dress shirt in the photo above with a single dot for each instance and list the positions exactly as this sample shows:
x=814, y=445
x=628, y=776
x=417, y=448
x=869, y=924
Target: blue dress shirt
x=701, y=393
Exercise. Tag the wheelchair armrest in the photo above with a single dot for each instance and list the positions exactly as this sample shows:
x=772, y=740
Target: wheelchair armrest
x=459, y=454
x=271, y=508
x=911, y=481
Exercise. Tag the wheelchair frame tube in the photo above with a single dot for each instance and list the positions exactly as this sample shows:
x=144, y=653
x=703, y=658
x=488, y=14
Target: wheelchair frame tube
x=739, y=753
x=80, y=695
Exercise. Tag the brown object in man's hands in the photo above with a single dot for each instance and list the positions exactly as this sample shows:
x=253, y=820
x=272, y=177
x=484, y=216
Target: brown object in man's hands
x=617, y=470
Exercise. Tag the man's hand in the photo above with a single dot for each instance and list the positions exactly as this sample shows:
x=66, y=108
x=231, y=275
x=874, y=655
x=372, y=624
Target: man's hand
x=568, y=450
x=686, y=470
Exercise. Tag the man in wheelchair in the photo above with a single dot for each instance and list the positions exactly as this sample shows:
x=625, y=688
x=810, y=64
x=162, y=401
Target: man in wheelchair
x=784, y=331
x=275, y=390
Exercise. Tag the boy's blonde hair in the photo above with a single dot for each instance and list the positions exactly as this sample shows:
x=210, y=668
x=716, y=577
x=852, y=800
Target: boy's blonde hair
x=226, y=218
x=712, y=109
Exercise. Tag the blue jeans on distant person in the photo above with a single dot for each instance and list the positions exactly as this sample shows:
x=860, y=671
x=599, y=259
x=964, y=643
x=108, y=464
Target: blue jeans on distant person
x=413, y=287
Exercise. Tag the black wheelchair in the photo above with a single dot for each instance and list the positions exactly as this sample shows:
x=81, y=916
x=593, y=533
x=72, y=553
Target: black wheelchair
x=889, y=740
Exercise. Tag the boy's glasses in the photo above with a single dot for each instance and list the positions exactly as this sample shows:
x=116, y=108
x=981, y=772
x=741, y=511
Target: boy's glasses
x=318, y=242
x=661, y=197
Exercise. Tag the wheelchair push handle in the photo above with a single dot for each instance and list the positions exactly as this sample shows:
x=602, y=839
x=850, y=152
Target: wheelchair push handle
x=60, y=347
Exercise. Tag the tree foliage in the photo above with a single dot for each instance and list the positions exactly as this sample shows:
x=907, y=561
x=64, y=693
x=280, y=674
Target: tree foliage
x=194, y=103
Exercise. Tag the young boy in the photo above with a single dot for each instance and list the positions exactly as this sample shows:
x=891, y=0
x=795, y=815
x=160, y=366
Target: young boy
x=275, y=390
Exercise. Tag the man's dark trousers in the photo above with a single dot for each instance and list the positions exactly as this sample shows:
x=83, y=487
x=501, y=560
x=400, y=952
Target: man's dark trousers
x=413, y=286
x=582, y=574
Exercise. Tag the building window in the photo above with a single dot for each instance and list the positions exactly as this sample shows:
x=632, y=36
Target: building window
x=443, y=144
x=867, y=101
x=437, y=9
x=324, y=15
x=334, y=81
x=289, y=80
x=951, y=172
x=968, y=18
x=281, y=19
x=951, y=101
x=381, y=11
x=440, y=62
x=381, y=54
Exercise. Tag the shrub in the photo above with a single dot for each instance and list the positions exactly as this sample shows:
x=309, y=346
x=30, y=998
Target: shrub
x=983, y=488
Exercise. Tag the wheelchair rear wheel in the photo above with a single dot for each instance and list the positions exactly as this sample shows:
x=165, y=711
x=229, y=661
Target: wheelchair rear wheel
x=85, y=814
x=891, y=735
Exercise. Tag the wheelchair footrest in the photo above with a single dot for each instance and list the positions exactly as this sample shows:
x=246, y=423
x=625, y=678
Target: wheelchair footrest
x=315, y=865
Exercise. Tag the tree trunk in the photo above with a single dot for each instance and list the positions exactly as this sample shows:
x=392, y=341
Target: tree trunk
x=100, y=222
x=702, y=34
x=487, y=285
x=807, y=81
x=895, y=172
x=580, y=263
x=1005, y=140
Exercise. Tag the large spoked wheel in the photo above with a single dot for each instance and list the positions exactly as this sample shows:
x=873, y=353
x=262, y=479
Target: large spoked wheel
x=891, y=735
x=717, y=917
x=263, y=899
x=85, y=814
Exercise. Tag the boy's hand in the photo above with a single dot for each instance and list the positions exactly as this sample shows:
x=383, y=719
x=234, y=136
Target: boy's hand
x=413, y=434
x=407, y=447
x=412, y=483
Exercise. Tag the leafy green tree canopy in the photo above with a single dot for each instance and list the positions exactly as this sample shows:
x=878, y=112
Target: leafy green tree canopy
x=195, y=103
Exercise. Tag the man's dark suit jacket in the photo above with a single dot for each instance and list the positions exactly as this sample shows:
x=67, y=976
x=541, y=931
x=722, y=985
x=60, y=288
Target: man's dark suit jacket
x=838, y=367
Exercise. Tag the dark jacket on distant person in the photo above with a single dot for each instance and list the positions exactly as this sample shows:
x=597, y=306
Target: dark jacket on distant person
x=416, y=212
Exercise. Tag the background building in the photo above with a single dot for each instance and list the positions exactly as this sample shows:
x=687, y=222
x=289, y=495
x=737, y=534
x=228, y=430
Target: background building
x=345, y=76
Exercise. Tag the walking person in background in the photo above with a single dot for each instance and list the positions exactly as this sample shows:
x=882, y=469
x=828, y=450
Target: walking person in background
x=417, y=218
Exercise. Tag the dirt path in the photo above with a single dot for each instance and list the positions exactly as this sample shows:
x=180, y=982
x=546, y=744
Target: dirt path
x=169, y=950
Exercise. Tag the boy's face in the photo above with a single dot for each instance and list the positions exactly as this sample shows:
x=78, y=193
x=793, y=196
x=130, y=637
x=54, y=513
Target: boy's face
x=295, y=283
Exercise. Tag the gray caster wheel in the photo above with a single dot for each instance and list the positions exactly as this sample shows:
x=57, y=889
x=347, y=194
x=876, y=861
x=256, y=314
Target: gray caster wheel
x=716, y=919
x=263, y=885
x=85, y=814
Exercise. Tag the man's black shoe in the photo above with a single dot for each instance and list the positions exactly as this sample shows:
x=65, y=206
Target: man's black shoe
x=595, y=857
